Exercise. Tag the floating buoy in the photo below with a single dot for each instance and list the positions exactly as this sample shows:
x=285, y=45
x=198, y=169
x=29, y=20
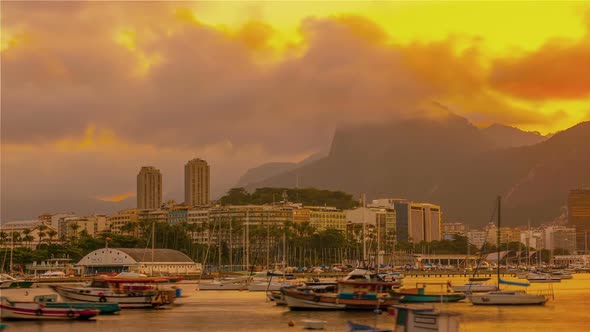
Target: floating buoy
x=291, y=323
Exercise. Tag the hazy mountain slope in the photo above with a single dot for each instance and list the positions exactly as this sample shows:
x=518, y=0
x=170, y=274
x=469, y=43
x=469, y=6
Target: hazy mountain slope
x=503, y=136
x=454, y=164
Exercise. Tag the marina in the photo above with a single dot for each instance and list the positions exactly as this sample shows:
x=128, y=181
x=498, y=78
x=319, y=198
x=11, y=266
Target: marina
x=252, y=311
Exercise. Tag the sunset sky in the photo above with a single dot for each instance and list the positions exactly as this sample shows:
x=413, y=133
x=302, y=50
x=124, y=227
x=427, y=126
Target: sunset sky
x=92, y=91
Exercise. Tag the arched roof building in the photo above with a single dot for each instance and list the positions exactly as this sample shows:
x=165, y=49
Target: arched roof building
x=147, y=261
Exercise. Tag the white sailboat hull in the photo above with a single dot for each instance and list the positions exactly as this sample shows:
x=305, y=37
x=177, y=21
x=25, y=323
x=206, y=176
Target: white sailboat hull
x=223, y=286
x=264, y=286
x=295, y=303
x=507, y=298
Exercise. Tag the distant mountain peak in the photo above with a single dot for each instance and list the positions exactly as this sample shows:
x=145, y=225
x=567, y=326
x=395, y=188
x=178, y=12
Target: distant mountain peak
x=504, y=136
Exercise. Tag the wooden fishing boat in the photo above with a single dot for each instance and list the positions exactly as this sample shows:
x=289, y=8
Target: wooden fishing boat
x=39, y=311
x=127, y=292
x=50, y=301
x=351, y=295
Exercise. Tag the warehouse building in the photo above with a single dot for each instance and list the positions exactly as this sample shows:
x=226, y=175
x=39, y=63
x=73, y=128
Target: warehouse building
x=153, y=262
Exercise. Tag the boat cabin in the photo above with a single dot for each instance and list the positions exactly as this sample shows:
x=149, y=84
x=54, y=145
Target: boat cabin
x=420, y=318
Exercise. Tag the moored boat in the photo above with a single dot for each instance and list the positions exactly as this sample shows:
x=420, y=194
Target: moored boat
x=50, y=301
x=515, y=297
x=474, y=287
x=239, y=283
x=39, y=311
x=127, y=292
x=7, y=281
x=351, y=295
x=419, y=294
x=541, y=278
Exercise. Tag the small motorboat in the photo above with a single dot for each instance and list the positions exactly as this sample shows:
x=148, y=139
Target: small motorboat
x=314, y=324
x=39, y=311
x=50, y=301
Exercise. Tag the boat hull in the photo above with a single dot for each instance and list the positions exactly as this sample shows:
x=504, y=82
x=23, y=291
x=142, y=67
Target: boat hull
x=37, y=311
x=151, y=299
x=261, y=287
x=474, y=288
x=431, y=298
x=103, y=308
x=507, y=299
x=222, y=286
x=298, y=300
x=15, y=284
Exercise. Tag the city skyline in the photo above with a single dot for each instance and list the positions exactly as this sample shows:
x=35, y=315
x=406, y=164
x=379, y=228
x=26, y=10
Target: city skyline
x=275, y=82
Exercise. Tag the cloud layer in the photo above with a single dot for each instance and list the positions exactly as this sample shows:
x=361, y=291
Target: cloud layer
x=88, y=100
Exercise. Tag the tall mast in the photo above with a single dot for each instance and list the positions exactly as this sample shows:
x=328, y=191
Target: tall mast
x=11, y=248
x=267, y=244
x=231, y=235
x=219, y=246
x=153, y=243
x=378, y=242
x=364, y=234
x=499, y=221
x=247, y=239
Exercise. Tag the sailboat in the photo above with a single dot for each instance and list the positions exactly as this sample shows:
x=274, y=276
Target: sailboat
x=500, y=297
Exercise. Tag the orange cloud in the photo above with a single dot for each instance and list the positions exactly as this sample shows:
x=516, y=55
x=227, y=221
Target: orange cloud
x=558, y=70
x=115, y=198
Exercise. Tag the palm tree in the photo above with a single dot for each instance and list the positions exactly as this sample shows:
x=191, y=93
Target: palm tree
x=74, y=228
x=41, y=232
x=3, y=236
x=51, y=233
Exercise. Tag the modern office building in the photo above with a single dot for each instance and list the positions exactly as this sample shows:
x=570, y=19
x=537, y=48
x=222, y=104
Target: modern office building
x=578, y=206
x=149, y=188
x=196, y=183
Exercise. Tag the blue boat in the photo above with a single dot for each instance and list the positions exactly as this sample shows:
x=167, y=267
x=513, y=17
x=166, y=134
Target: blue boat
x=50, y=301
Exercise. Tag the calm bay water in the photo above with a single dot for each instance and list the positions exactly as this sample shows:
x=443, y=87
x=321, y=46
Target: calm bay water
x=246, y=311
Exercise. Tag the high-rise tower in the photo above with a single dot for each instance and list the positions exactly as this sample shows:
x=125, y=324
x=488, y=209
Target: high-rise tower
x=578, y=206
x=196, y=183
x=149, y=188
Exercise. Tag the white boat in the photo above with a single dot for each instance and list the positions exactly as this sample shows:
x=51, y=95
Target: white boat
x=38, y=311
x=127, y=292
x=516, y=297
x=53, y=274
x=239, y=283
x=299, y=303
x=562, y=275
x=474, y=287
x=314, y=324
x=261, y=286
x=541, y=277
x=7, y=281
